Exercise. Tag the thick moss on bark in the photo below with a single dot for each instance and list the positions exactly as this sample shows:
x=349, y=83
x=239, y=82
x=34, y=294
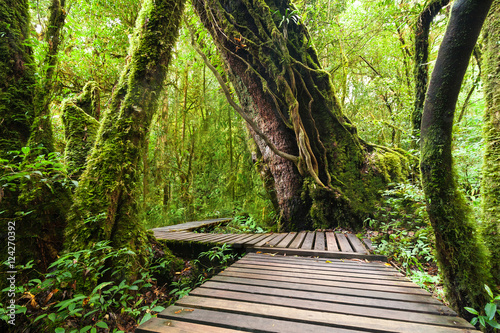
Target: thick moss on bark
x=461, y=257
x=80, y=131
x=80, y=127
x=16, y=76
x=490, y=186
x=106, y=205
x=324, y=174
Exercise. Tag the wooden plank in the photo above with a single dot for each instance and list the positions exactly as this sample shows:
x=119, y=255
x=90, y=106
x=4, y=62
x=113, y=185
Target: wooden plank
x=326, y=296
x=238, y=241
x=319, y=241
x=320, y=317
x=424, y=299
x=315, y=305
x=253, y=239
x=287, y=240
x=276, y=240
x=265, y=240
x=316, y=253
x=331, y=242
x=246, y=322
x=297, y=242
x=325, y=277
x=356, y=244
x=308, y=241
x=318, y=272
x=193, y=225
x=343, y=243
x=159, y=325
x=368, y=243
x=377, y=265
x=230, y=239
x=256, y=274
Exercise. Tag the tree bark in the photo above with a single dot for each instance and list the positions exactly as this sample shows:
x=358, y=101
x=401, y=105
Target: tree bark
x=107, y=198
x=324, y=174
x=490, y=185
x=421, y=66
x=461, y=257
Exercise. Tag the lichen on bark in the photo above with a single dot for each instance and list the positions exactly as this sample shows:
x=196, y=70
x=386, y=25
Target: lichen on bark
x=490, y=184
x=106, y=206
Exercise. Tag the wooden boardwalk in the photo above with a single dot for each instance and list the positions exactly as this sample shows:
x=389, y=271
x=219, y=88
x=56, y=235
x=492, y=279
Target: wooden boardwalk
x=188, y=226
x=274, y=293
x=310, y=243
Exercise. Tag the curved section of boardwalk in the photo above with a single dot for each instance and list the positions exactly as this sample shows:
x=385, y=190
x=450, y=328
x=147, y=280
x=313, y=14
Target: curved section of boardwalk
x=309, y=243
x=266, y=293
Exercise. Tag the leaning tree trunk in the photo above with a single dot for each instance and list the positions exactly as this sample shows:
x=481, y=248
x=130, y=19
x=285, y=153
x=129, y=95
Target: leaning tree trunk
x=461, y=257
x=323, y=172
x=421, y=65
x=490, y=185
x=106, y=201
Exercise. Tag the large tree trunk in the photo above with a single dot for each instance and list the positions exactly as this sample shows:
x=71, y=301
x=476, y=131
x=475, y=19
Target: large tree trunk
x=490, y=186
x=106, y=201
x=324, y=175
x=421, y=65
x=460, y=257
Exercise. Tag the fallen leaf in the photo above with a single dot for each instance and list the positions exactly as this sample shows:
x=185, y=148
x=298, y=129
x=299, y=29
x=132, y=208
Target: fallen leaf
x=258, y=252
x=328, y=262
x=387, y=264
x=189, y=310
x=178, y=311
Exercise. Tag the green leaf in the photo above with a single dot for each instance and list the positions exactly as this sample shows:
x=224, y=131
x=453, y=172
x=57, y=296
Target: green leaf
x=493, y=323
x=490, y=309
x=60, y=330
x=25, y=150
x=85, y=329
x=102, y=285
x=52, y=317
x=102, y=324
x=40, y=317
x=474, y=321
x=488, y=290
x=158, y=308
x=471, y=310
x=482, y=320
x=144, y=319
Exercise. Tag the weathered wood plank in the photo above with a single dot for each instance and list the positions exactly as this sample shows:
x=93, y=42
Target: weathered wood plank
x=262, y=275
x=246, y=322
x=356, y=244
x=343, y=243
x=319, y=241
x=319, y=272
x=425, y=300
x=308, y=241
x=276, y=240
x=287, y=240
x=331, y=241
x=368, y=243
x=297, y=242
x=160, y=325
x=326, y=266
x=317, y=253
x=187, y=226
x=296, y=291
x=320, y=317
x=264, y=241
x=254, y=239
x=278, y=271
x=315, y=305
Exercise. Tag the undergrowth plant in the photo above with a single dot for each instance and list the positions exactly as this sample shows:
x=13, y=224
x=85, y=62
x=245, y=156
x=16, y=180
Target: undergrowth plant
x=491, y=315
x=404, y=234
x=82, y=293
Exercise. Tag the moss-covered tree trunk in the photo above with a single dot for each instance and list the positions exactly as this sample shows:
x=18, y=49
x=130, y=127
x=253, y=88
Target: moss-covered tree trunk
x=490, y=186
x=17, y=77
x=324, y=174
x=106, y=201
x=79, y=117
x=421, y=65
x=460, y=256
